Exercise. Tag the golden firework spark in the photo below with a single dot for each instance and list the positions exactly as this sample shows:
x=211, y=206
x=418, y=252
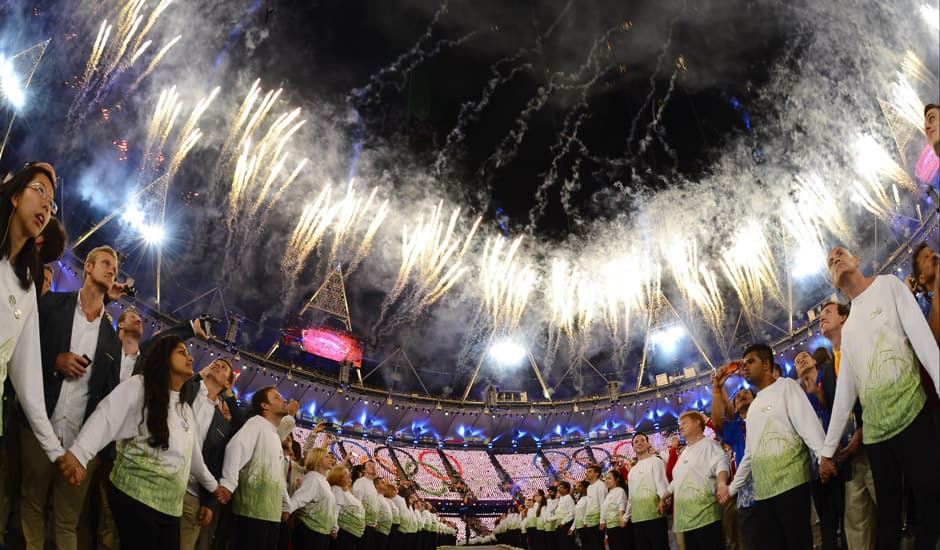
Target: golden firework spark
x=431, y=259
x=907, y=104
x=628, y=283
x=750, y=268
x=696, y=282
x=342, y=219
x=875, y=166
x=505, y=284
x=156, y=60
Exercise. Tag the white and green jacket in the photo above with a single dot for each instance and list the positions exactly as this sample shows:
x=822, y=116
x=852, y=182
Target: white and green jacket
x=579, y=512
x=781, y=424
x=695, y=484
x=882, y=341
x=21, y=358
x=154, y=477
x=352, y=515
x=384, y=515
x=317, y=505
x=596, y=493
x=614, y=503
x=364, y=489
x=252, y=471
x=647, y=482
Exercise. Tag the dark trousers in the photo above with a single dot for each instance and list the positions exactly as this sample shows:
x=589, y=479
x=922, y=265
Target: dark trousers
x=255, y=534
x=591, y=538
x=564, y=541
x=784, y=520
x=305, y=539
x=828, y=499
x=911, y=454
x=379, y=541
x=651, y=535
x=749, y=532
x=709, y=537
x=618, y=538
x=140, y=526
x=346, y=541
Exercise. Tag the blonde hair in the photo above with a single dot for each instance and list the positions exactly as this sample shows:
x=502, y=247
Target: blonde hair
x=336, y=476
x=314, y=458
x=696, y=416
x=92, y=256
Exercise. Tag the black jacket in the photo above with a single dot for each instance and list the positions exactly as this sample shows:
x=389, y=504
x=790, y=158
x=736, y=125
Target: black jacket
x=56, y=314
x=220, y=431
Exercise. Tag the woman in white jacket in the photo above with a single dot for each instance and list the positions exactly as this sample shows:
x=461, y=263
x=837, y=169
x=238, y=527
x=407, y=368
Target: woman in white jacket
x=156, y=448
x=315, y=504
x=26, y=206
x=613, y=512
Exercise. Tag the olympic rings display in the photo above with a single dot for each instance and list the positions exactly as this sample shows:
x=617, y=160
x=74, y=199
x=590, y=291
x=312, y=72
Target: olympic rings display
x=386, y=463
x=436, y=473
x=621, y=445
x=366, y=455
x=453, y=461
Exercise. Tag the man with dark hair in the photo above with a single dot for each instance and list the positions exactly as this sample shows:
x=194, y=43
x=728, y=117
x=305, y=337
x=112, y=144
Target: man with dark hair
x=578, y=526
x=860, y=506
x=47, y=278
x=595, y=495
x=883, y=339
x=925, y=280
x=781, y=424
x=564, y=515
x=252, y=471
x=206, y=391
x=80, y=366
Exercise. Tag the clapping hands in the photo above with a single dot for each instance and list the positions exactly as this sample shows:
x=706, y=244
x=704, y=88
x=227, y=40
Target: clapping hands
x=71, y=469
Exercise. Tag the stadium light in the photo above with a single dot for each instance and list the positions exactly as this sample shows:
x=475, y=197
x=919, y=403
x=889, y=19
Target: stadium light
x=807, y=262
x=507, y=353
x=667, y=338
x=152, y=234
x=10, y=86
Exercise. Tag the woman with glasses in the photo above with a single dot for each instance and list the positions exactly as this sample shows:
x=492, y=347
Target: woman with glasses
x=26, y=206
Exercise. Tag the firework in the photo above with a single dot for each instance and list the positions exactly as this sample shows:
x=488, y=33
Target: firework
x=110, y=54
x=342, y=219
x=505, y=284
x=906, y=103
x=431, y=260
x=750, y=268
x=696, y=282
x=161, y=123
x=874, y=165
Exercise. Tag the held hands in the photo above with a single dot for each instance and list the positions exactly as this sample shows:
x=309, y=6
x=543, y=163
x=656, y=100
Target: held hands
x=70, y=365
x=827, y=469
x=71, y=469
x=223, y=495
x=722, y=495
x=663, y=505
x=205, y=516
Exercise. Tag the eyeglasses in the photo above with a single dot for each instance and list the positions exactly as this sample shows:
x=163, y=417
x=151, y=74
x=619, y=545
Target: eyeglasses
x=41, y=189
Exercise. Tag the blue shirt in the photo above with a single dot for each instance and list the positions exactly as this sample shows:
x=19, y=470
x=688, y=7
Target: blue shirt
x=733, y=433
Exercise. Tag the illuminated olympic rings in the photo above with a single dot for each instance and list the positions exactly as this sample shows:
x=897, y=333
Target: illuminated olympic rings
x=434, y=472
x=453, y=461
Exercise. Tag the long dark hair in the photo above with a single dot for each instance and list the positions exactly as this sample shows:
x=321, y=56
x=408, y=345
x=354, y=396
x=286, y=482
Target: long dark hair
x=156, y=373
x=27, y=263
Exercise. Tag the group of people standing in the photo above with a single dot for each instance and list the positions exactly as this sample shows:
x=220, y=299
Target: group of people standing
x=128, y=446
x=124, y=436
x=855, y=437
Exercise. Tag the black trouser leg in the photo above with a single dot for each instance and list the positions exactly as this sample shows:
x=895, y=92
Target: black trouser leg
x=784, y=520
x=140, y=526
x=651, y=535
x=709, y=537
x=826, y=498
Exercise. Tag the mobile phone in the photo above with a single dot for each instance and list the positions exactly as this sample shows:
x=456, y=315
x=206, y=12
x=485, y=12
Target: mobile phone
x=87, y=360
x=206, y=322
